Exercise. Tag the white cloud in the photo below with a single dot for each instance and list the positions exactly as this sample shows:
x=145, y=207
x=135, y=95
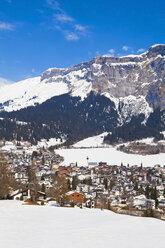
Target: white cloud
x=6, y=26
x=63, y=17
x=111, y=51
x=54, y=4
x=71, y=36
x=125, y=48
x=65, y=23
x=80, y=27
x=141, y=50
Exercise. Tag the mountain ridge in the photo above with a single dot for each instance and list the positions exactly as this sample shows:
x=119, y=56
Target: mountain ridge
x=115, y=77
x=89, y=98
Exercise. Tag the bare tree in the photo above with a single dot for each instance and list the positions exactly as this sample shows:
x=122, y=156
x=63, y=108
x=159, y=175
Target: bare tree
x=33, y=185
x=59, y=189
x=5, y=177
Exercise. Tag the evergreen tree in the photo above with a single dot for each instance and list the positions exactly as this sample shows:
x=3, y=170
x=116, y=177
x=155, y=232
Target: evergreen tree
x=105, y=183
x=136, y=186
x=112, y=184
x=43, y=189
x=75, y=182
x=69, y=185
x=147, y=192
x=42, y=178
x=34, y=154
x=43, y=160
x=154, y=196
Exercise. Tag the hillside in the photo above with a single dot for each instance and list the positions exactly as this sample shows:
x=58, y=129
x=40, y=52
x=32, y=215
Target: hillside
x=40, y=227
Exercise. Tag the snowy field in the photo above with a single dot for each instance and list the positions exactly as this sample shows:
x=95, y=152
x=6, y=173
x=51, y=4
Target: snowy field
x=109, y=155
x=95, y=141
x=98, y=141
x=49, y=227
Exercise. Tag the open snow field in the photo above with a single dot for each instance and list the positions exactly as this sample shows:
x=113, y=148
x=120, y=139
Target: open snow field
x=109, y=155
x=95, y=141
x=48, y=227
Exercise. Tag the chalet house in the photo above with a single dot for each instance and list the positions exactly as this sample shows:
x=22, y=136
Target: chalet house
x=63, y=172
x=141, y=202
x=26, y=194
x=17, y=195
x=75, y=197
x=84, y=188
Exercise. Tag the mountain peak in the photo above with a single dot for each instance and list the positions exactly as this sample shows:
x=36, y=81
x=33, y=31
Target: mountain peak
x=158, y=49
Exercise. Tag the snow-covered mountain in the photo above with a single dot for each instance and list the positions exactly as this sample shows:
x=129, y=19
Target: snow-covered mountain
x=132, y=85
x=4, y=82
x=29, y=92
x=130, y=80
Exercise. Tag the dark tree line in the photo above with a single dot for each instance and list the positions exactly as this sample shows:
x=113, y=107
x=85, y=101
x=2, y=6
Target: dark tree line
x=76, y=119
x=61, y=115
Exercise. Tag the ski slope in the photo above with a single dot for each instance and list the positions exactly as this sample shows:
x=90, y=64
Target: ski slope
x=48, y=227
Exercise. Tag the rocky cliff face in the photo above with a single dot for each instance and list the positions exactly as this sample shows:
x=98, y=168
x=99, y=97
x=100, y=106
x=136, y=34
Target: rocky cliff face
x=136, y=75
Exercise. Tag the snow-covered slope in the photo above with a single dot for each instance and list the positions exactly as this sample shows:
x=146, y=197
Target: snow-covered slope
x=95, y=141
x=29, y=92
x=49, y=227
x=4, y=82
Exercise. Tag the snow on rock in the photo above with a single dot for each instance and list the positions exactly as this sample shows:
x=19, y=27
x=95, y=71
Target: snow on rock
x=95, y=141
x=49, y=227
x=130, y=106
x=110, y=155
x=133, y=106
x=156, y=45
x=81, y=88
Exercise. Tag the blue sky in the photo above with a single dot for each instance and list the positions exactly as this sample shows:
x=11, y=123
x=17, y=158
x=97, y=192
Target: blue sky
x=38, y=34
